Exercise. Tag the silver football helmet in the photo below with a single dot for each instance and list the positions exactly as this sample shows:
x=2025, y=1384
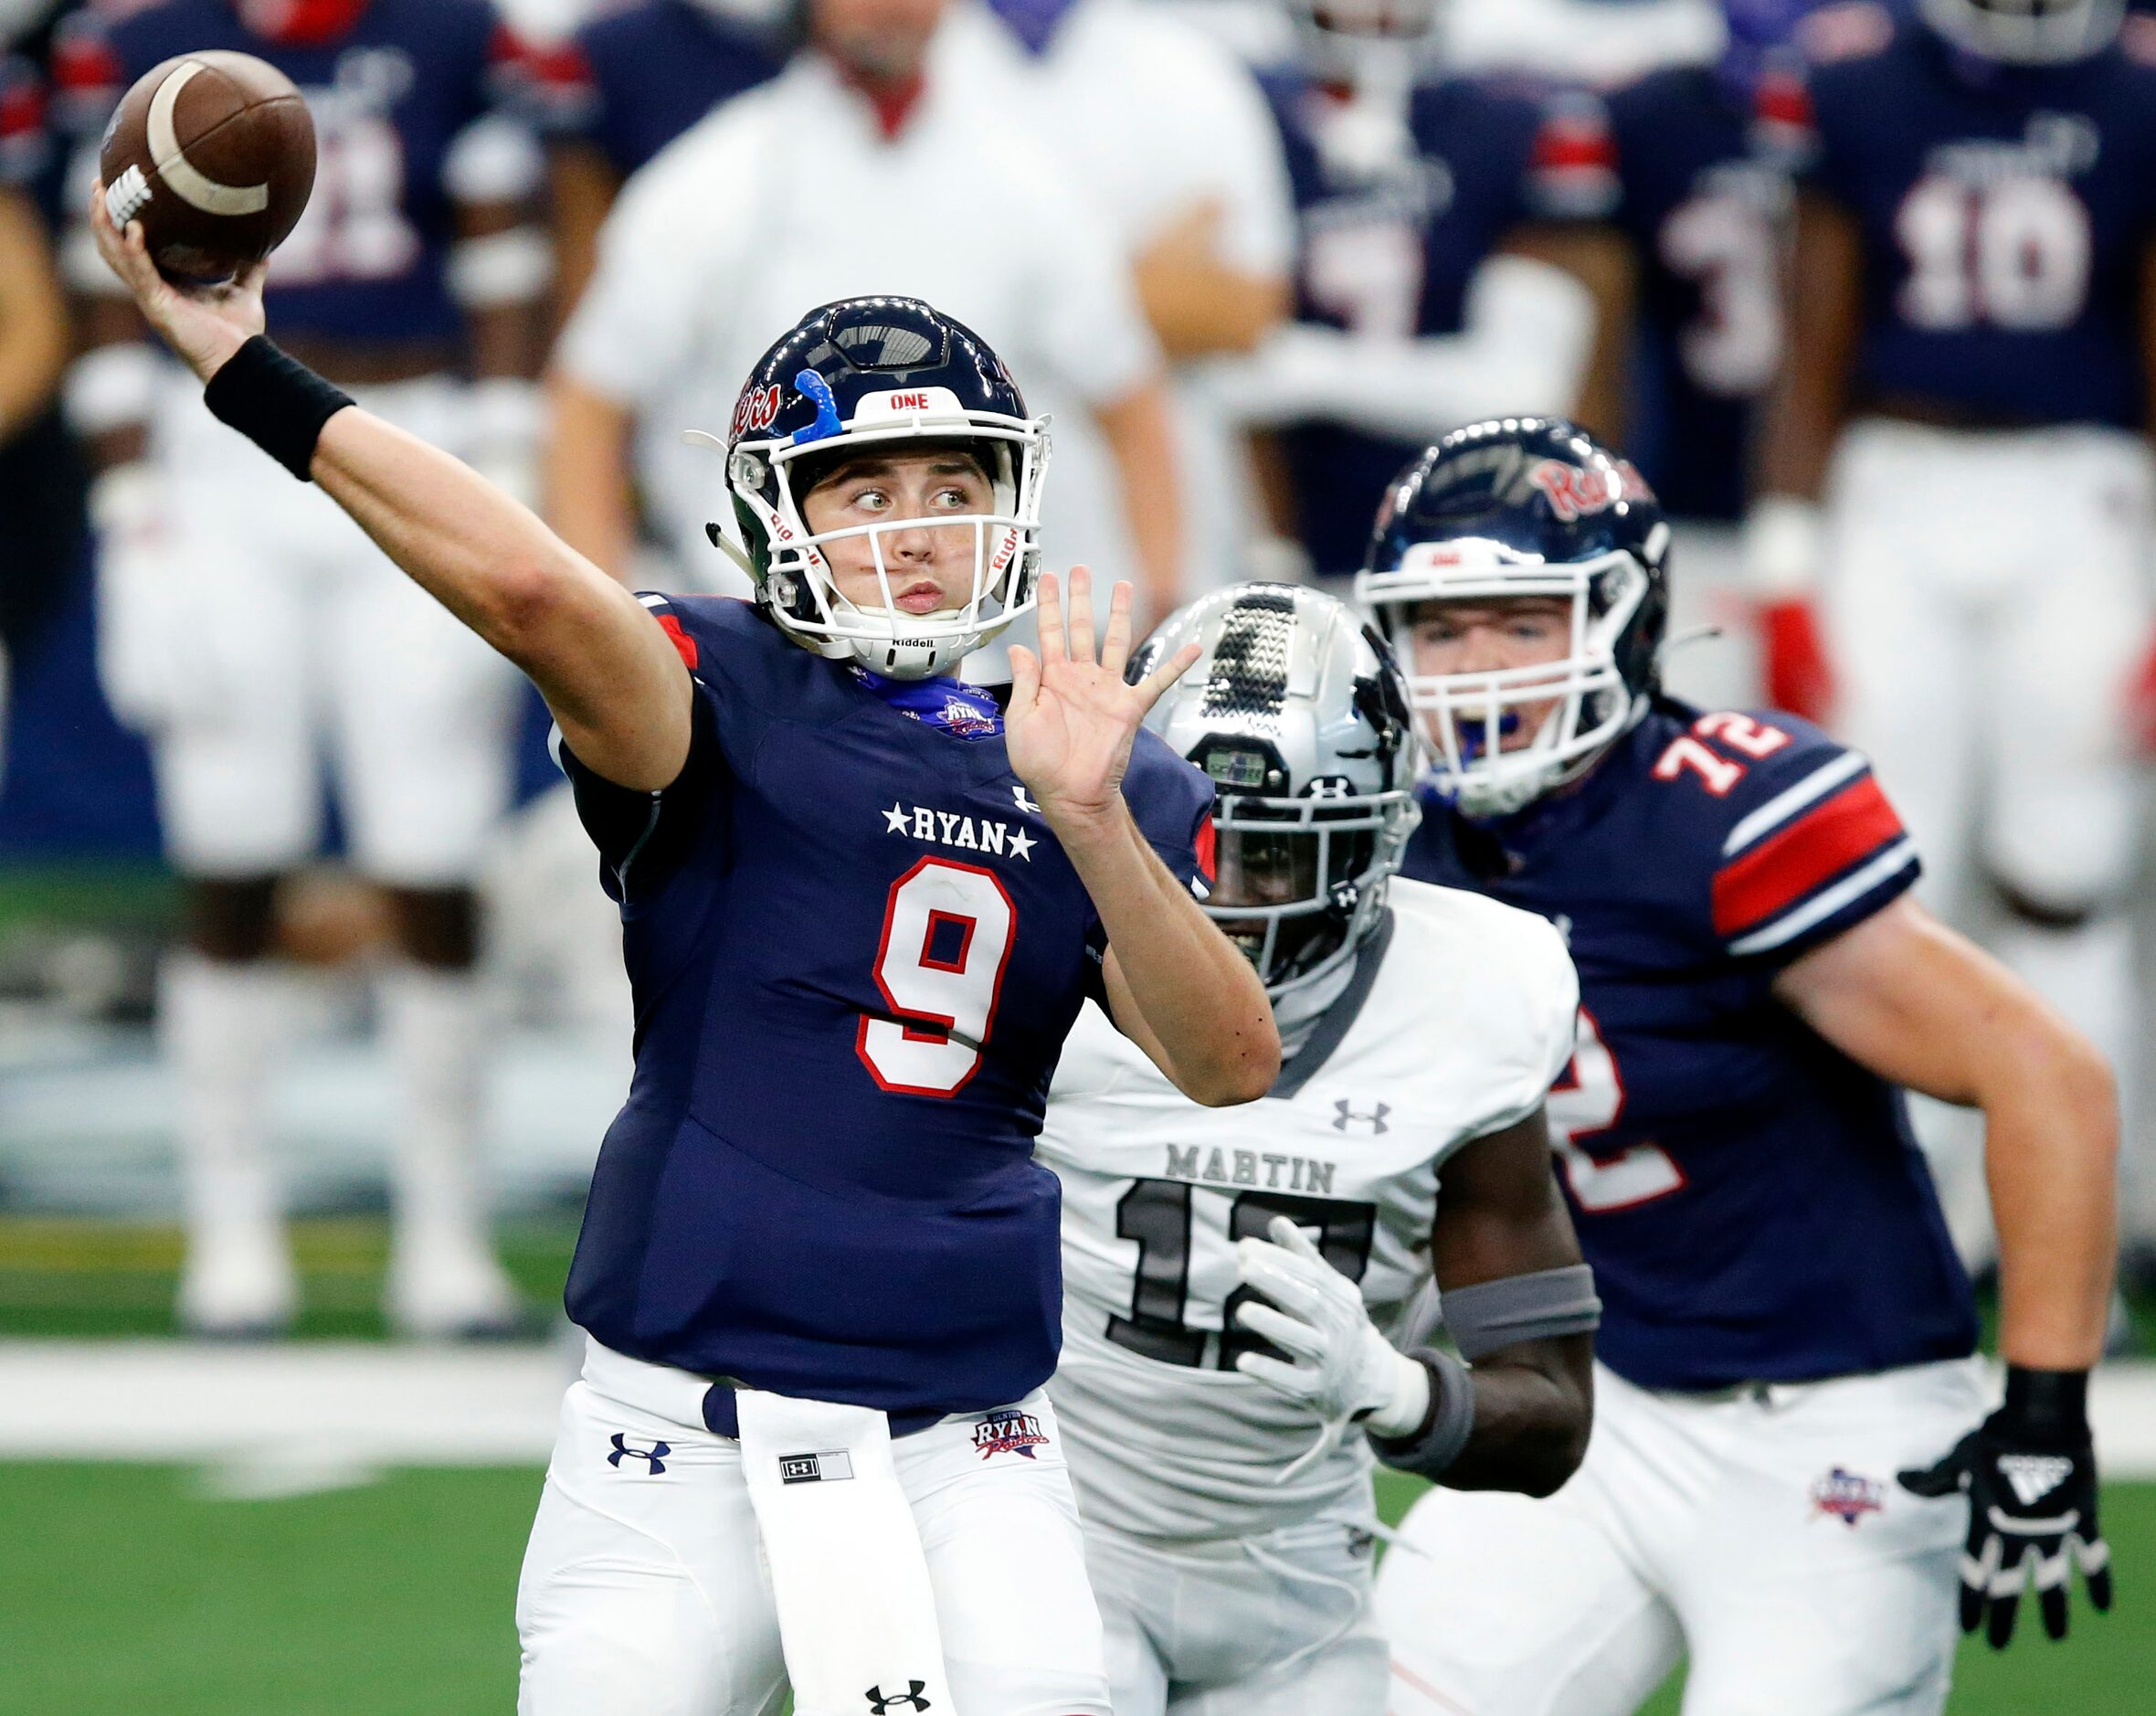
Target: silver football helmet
x=2027, y=32
x=1297, y=714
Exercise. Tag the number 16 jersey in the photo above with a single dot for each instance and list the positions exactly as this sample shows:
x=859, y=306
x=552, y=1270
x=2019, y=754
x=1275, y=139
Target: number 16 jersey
x=856, y=948
x=1458, y=1016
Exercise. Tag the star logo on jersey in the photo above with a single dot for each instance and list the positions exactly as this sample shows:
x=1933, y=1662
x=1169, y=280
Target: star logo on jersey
x=955, y=828
x=1847, y=1496
x=2035, y=1476
x=1016, y=1433
x=1345, y=1116
x=654, y=1456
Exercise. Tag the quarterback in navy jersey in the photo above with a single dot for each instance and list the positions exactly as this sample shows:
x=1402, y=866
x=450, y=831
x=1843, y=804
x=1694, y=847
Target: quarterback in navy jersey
x=257, y=641
x=1786, y=1407
x=1958, y=498
x=626, y=84
x=861, y=903
x=1441, y=263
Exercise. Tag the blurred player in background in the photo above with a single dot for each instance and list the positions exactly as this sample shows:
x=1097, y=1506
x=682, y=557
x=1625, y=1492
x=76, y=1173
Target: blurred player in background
x=1957, y=480
x=727, y=232
x=1170, y=135
x=248, y=630
x=40, y=493
x=1229, y=1524
x=1784, y=1396
x=626, y=84
x=1441, y=275
x=1704, y=152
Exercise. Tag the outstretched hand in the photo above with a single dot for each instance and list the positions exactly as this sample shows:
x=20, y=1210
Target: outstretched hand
x=1073, y=719
x=205, y=324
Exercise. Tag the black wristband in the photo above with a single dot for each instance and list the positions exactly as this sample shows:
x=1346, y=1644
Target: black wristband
x=276, y=401
x=2048, y=1403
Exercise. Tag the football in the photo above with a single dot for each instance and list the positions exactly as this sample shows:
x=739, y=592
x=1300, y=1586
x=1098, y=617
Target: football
x=213, y=153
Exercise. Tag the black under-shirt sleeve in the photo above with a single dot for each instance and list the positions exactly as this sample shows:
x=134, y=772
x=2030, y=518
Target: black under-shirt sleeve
x=642, y=837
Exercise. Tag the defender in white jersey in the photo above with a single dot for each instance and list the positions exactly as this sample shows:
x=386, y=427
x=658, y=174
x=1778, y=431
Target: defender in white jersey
x=1229, y=1520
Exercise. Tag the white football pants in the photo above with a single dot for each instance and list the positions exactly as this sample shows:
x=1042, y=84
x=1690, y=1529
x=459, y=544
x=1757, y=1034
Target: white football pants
x=267, y=632
x=1760, y=1530
x=645, y=1592
x=1278, y=1625
x=1988, y=604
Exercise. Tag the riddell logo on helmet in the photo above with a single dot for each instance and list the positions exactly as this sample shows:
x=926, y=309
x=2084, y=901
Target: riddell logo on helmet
x=1574, y=493
x=758, y=408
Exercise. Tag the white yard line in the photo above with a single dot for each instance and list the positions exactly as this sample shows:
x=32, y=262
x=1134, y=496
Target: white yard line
x=271, y=1415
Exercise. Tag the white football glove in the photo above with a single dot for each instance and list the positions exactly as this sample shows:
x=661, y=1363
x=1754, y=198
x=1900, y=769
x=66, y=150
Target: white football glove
x=1339, y=1365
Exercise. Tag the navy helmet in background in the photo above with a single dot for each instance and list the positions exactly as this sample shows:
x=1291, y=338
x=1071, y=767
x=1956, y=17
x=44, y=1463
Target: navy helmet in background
x=1521, y=507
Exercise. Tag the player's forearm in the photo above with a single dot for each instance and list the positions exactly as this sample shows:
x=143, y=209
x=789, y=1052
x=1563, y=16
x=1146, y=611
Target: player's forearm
x=33, y=318
x=1142, y=437
x=1822, y=310
x=2051, y=1136
x=1202, y=308
x=1199, y=1001
x=1528, y=338
x=1534, y=1407
x=483, y=557
x=1527, y=1426
x=585, y=473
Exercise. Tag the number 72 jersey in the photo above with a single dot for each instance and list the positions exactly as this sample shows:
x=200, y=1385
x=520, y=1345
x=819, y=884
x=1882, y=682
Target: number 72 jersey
x=1750, y=1197
x=1458, y=1017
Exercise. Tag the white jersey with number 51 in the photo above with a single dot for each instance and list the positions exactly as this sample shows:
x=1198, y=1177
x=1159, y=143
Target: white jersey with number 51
x=1458, y=1019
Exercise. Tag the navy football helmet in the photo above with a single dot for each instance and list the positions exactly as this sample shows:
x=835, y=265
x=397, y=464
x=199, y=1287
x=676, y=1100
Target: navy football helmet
x=2027, y=32
x=1517, y=507
x=881, y=372
x=1296, y=712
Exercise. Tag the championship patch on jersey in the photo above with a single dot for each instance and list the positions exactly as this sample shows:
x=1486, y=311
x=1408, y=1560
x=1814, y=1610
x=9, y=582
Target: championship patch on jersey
x=1016, y=1433
x=1846, y=1496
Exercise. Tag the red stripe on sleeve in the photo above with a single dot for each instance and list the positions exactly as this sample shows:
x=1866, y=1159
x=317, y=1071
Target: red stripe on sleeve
x=1207, y=845
x=682, y=642
x=1781, y=870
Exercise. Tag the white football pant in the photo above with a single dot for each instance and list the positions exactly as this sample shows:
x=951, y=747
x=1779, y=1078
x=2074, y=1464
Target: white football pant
x=267, y=630
x=1277, y=1625
x=1987, y=607
x=644, y=1590
x=1759, y=1530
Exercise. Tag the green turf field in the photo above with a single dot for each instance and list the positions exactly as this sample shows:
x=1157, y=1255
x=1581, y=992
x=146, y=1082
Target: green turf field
x=127, y=1589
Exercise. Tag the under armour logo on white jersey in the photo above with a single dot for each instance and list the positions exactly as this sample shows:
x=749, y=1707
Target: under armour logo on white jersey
x=1344, y=1115
x=881, y=1702
x=2035, y=1476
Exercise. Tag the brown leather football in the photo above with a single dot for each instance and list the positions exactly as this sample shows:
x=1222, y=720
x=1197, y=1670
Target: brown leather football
x=213, y=153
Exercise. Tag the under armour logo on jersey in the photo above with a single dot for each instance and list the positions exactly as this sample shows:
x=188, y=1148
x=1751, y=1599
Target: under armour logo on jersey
x=1346, y=1114
x=880, y=1702
x=2035, y=1476
x=655, y=1455
x=1025, y=801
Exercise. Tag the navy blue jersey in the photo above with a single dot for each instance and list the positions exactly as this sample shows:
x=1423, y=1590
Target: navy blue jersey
x=2004, y=212
x=635, y=78
x=856, y=950
x=1751, y=1199
x=1391, y=253
x=389, y=92
x=1702, y=197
